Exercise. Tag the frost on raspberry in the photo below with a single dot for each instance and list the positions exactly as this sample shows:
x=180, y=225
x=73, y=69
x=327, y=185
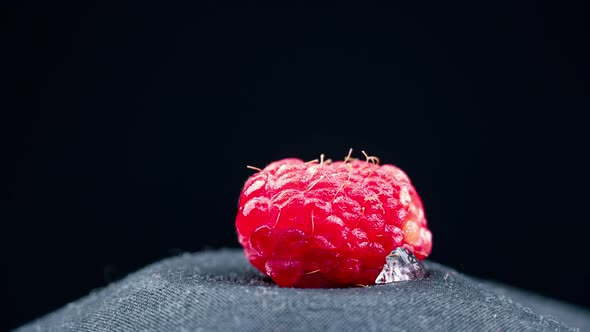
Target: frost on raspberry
x=329, y=224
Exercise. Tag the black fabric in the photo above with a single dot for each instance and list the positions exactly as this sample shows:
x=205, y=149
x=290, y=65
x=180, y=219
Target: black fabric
x=220, y=291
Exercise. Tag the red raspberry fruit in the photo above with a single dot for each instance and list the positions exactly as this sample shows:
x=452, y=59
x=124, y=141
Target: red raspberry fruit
x=329, y=224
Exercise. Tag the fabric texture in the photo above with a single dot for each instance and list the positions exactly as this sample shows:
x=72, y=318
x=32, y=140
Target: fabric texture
x=220, y=291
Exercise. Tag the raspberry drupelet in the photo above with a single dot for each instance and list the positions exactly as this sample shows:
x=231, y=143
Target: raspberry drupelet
x=329, y=224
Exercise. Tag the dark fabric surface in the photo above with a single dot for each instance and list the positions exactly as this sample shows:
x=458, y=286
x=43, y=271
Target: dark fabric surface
x=220, y=291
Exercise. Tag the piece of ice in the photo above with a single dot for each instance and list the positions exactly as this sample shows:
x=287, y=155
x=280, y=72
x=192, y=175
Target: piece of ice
x=401, y=265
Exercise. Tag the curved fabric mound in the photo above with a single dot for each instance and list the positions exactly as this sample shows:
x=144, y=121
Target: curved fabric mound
x=221, y=291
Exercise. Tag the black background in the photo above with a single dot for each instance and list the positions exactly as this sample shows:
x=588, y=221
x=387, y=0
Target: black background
x=127, y=130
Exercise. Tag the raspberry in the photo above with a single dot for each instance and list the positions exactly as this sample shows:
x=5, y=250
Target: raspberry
x=329, y=224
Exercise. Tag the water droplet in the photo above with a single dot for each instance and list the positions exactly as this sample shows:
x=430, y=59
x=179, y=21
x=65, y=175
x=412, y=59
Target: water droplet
x=401, y=265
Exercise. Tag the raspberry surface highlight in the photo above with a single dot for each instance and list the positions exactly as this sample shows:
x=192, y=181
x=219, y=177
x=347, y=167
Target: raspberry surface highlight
x=329, y=224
